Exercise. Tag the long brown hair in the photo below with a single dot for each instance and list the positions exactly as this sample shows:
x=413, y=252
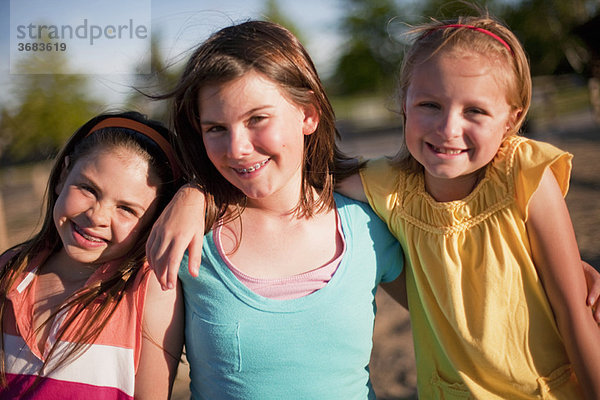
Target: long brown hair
x=274, y=52
x=101, y=298
x=459, y=35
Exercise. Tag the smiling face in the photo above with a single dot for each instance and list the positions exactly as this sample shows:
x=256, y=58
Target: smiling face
x=106, y=198
x=457, y=115
x=254, y=136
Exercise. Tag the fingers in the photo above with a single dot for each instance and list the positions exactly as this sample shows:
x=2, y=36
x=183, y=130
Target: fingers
x=171, y=260
x=164, y=257
x=592, y=277
x=179, y=227
x=593, y=301
x=154, y=252
x=195, y=255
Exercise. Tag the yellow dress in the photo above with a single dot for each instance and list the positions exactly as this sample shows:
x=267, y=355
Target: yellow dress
x=482, y=324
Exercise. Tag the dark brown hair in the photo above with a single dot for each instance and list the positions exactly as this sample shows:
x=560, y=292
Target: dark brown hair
x=100, y=298
x=273, y=51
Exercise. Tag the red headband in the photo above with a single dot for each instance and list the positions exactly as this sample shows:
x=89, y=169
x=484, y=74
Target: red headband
x=498, y=38
x=165, y=146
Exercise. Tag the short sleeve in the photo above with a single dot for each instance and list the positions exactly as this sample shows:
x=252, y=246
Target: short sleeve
x=531, y=159
x=370, y=237
x=380, y=183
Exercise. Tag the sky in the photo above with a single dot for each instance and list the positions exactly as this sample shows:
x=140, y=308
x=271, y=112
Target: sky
x=88, y=31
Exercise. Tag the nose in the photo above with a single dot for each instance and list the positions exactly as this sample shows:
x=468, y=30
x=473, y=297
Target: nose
x=99, y=214
x=240, y=143
x=450, y=125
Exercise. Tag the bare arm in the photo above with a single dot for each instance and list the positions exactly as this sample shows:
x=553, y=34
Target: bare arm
x=557, y=260
x=397, y=289
x=352, y=187
x=179, y=227
x=162, y=342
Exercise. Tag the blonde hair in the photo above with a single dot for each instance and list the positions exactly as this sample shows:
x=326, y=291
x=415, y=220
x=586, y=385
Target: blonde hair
x=473, y=34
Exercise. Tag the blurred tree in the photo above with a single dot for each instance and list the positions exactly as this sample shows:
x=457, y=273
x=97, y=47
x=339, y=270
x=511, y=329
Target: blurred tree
x=545, y=27
x=589, y=33
x=163, y=77
x=47, y=108
x=272, y=12
x=373, y=49
x=443, y=9
x=371, y=55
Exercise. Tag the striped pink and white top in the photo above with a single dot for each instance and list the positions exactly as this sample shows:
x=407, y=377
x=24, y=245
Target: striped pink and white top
x=105, y=370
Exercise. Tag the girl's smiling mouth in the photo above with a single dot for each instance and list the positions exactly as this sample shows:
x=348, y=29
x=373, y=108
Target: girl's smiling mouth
x=79, y=231
x=444, y=150
x=252, y=168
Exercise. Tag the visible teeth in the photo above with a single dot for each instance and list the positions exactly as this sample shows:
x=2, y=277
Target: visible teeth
x=446, y=151
x=86, y=236
x=252, y=168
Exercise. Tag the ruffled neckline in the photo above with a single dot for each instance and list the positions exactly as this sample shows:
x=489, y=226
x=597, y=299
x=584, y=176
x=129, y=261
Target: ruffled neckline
x=493, y=192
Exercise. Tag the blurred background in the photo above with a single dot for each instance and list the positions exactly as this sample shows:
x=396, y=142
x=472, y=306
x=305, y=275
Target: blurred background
x=357, y=46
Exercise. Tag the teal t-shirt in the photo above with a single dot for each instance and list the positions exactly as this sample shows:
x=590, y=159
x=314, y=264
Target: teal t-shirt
x=241, y=345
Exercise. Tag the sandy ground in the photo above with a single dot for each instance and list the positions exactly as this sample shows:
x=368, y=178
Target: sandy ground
x=392, y=364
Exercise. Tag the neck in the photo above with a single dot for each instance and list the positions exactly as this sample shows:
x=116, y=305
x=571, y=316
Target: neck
x=68, y=270
x=446, y=190
x=282, y=205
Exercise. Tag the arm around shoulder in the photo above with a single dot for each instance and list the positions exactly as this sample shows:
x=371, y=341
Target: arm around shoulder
x=557, y=259
x=179, y=227
x=162, y=342
x=352, y=187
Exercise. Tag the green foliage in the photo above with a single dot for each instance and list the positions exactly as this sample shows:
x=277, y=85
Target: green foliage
x=373, y=50
x=47, y=109
x=441, y=9
x=371, y=55
x=163, y=77
x=273, y=13
x=545, y=27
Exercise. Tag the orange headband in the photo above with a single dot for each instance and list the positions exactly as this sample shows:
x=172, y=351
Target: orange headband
x=498, y=38
x=165, y=146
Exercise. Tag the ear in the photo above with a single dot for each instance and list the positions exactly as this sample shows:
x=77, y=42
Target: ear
x=513, y=118
x=311, y=119
x=63, y=176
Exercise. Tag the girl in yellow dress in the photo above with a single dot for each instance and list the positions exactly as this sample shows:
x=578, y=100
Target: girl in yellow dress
x=497, y=296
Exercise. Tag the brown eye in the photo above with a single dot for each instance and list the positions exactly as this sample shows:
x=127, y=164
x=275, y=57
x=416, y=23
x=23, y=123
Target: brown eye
x=429, y=105
x=129, y=210
x=87, y=188
x=256, y=119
